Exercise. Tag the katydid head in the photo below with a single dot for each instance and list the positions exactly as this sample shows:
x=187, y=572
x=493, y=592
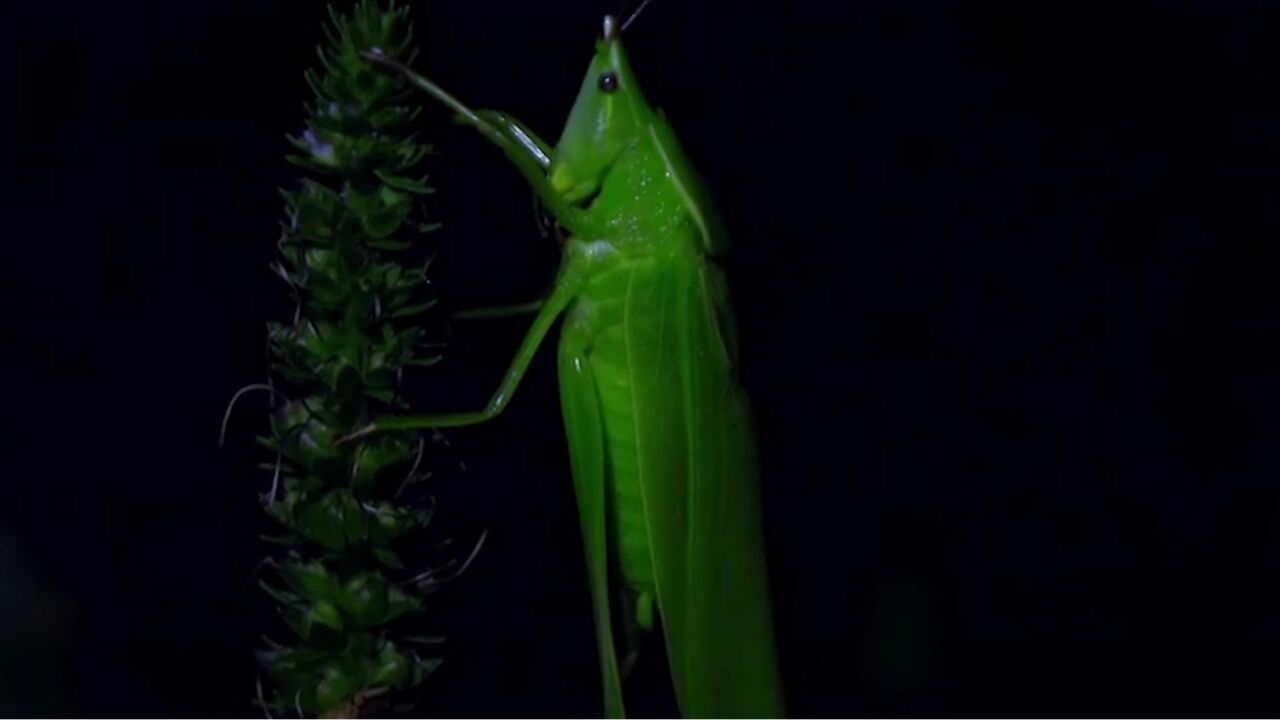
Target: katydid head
x=609, y=115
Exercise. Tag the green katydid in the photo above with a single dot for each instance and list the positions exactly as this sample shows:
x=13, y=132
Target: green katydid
x=660, y=432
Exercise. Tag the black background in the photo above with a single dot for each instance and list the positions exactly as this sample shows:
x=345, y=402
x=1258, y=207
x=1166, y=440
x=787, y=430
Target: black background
x=1006, y=279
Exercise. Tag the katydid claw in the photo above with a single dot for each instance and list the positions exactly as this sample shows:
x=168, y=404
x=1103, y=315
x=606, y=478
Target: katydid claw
x=367, y=429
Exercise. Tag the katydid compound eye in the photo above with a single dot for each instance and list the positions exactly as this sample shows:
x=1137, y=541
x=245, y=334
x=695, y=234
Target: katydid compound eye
x=608, y=82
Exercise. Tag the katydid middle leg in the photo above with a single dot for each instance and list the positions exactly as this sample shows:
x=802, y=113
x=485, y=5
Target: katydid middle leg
x=498, y=311
x=567, y=287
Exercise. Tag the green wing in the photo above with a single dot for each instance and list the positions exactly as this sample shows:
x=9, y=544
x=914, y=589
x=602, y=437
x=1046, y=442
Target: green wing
x=699, y=480
x=581, y=408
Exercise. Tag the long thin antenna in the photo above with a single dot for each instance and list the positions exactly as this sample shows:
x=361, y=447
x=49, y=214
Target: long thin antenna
x=629, y=20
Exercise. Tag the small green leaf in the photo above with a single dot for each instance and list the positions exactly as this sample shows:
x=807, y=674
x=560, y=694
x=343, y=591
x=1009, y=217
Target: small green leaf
x=385, y=396
x=337, y=685
x=325, y=613
x=298, y=621
x=321, y=520
x=400, y=182
x=390, y=522
x=392, y=668
x=311, y=578
x=399, y=602
x=364, y=597
x=424, y=667
x=355, y=519
x=388, y=558
x=377, y=459
x=281, y=596
x=347, y=381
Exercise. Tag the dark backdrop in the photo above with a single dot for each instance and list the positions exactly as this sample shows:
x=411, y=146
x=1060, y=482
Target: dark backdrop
x=1006, y=277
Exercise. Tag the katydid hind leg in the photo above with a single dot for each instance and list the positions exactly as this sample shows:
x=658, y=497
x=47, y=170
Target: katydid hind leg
x=628, y=631
x=636, y=609
x=645, y=664
x=645, y=610
x=584, y=427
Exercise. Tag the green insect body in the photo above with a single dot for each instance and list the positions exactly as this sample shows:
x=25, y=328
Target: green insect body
x=660, y=432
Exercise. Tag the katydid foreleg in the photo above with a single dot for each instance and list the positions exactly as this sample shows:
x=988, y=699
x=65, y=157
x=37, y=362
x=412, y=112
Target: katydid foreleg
x=519, y=145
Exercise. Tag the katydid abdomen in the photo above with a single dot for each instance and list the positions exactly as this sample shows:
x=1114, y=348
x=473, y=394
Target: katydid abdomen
x=628, y=526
